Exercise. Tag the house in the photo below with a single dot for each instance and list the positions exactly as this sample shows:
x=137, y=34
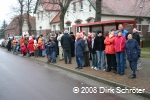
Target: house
x=13, y=28
x=83, y=11
x=45, y=13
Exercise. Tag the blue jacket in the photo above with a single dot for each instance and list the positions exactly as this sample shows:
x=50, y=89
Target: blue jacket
x=132, y=50
x=53, y=46
x=79, y=47
x=124, y=33
x=48, y=51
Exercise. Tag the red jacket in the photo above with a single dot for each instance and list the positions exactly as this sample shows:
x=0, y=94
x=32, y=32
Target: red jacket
x=31, y=45
x=120, y=44
x=109, y=45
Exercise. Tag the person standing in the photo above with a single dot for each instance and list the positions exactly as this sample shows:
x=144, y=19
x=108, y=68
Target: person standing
x=100, y=47
x=133, y=53
x=66, y=45
x=136, y=36
x=110, y=52
x=60, y=47
x=86, y=61
x=39, y=40
x=124, y=34
x=9, y=45
x=79, y=48
x=73, y=44
x=120, y=52
x=92, y=49
x=31, y=46
x=14, y=44
x=53, y=50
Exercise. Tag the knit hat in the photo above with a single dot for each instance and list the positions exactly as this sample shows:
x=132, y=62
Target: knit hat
x=135, y=29
x=99, y=31
x=71, y=32
x=66, y=31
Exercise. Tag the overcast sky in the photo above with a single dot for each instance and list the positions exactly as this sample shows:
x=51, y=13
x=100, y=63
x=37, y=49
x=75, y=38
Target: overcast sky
x=5, y=11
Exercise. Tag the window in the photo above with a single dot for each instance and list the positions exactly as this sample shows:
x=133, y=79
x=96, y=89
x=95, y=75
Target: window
x=41, y=14
x=90, y=20
x=89, y=8
x=54, y=28
x=38, y=15
x=139, y=26
x=81, y=5
x=69, y=26
x=74, y=7
x=77, y=29
x=78, y=22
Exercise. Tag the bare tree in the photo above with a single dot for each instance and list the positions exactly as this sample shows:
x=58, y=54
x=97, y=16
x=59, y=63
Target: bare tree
x=63, y=4
x=98, y=10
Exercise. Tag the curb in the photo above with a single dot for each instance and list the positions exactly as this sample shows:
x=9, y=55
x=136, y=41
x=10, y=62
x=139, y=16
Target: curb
x=146, y=94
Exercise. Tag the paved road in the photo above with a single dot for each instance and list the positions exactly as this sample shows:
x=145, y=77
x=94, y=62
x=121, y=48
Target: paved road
x=26, y=79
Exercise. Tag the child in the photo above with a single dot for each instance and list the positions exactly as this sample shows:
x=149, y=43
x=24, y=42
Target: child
x=35, y=48
x=24, y=49
x=48, y=52
x=42, y=48
x=53, y=50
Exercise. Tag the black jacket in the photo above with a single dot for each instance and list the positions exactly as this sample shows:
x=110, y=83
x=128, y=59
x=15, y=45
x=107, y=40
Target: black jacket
x=92, y=50
x=66, y=41
x=99, y=43
x=136, y=37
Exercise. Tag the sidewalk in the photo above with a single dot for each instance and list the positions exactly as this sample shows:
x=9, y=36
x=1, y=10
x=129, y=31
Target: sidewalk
x=145, y=52
x=142, y=81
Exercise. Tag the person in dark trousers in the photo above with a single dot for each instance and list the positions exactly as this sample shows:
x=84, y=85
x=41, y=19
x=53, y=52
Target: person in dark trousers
x=136, y=36
x=66, y=42
x=100, y=47
x=73, y=44
x=133, y=52
x=79, y=48
x=9, y=45
x=86, y=61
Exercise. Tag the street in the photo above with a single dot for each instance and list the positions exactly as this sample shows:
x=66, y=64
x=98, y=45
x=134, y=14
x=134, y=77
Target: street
x=26, y=79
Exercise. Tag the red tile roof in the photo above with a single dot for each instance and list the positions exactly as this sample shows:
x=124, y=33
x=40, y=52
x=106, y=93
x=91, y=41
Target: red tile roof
x=50, y=4
x=125, y=7
x=56, y=18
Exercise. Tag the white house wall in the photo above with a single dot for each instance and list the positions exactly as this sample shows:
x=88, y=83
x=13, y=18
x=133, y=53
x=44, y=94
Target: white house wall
x=47, y=17
x=79, y=14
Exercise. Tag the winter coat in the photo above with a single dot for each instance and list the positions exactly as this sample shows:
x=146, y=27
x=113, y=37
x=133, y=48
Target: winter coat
x=132, y=50
x=120, y=43
x=86, y=44
x=24, y=49
x=31, y=45
x=79, y=47
x=53, y=46
x=124, y=33
x=92, y=50
x=66, y=41
x=99, y=43
x=136, y=37
x=22, y=40
x=59, y=39
x=109, y=45
x=47, y=46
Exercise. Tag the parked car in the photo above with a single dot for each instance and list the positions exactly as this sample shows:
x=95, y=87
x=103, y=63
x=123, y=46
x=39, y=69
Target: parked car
x=1, y=42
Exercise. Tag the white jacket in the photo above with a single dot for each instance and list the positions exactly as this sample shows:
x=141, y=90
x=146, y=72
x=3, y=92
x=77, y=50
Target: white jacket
x=59, y=39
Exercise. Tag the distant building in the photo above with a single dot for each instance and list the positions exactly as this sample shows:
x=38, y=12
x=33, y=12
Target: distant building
x=13, y=28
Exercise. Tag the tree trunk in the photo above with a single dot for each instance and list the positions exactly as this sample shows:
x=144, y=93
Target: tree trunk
x=62, y=22
x=98, y=10
x=28, y=18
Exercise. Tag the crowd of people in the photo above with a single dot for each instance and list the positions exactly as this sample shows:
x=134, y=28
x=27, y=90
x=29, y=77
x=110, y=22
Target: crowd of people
x=116, y=46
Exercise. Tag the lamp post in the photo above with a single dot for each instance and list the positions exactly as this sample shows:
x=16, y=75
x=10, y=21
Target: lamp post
x=40, y=29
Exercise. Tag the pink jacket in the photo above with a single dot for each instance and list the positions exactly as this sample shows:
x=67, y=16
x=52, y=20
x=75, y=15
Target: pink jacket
x=120, y=43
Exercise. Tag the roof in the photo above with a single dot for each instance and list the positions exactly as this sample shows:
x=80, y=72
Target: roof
x=106, y=23
x=47, y=5
x=124, y=7
x=15, y=24
x=56, y=18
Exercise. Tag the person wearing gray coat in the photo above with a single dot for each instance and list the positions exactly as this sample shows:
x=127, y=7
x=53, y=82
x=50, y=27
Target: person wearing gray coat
x=86, y=61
